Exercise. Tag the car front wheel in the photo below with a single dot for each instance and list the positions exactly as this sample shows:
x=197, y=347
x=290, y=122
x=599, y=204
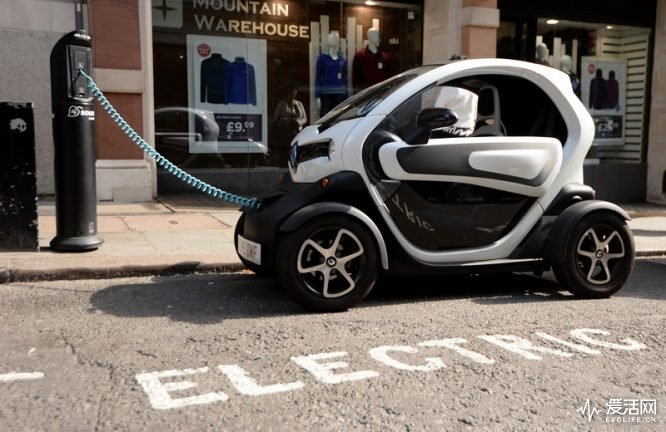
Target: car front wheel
x=328, y=264
x=600, y=256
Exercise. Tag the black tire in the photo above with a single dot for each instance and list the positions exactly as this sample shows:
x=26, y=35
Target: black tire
x=262, y=271
x=311, y=247
x=599, y=257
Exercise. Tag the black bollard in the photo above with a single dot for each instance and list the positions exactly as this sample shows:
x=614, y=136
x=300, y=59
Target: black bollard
x=75, y=147
x=18, y=180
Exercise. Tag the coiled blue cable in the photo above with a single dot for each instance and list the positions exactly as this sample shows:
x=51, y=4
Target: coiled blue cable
x=161, y=160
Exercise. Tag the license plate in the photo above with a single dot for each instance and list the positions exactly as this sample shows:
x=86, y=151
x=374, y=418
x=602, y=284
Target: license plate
x=249, y=250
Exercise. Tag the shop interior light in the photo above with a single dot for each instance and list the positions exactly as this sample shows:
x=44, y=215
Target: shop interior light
x=609, y=27
x=370, y=3
x=552, y=21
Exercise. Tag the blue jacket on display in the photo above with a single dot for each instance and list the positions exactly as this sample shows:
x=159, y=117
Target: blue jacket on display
x=213, y=71
x=331, y=75
x=240, y=86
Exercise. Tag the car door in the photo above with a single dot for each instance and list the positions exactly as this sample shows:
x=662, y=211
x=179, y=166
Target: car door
x=464, y=186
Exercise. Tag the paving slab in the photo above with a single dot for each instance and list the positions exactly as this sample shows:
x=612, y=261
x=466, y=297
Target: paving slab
x=126, y=244
x=46, y=207
x=173, y=222
x=213, y=242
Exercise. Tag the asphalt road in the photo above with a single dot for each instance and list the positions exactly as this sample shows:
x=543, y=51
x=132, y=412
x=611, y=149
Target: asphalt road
x=232, y=352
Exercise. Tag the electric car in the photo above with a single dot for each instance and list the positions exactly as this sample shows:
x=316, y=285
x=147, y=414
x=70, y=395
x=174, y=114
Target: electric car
x=469, y=167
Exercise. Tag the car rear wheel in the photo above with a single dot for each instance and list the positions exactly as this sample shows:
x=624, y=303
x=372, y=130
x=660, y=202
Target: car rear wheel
x=328, y=264
x=599, y=257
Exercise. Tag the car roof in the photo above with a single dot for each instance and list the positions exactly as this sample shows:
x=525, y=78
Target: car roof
x=555, y=83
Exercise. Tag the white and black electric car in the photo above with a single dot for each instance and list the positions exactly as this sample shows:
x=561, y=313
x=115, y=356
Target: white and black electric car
x=473, y=166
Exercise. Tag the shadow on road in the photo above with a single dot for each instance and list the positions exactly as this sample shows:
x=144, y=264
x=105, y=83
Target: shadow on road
x=482, y=289
x=213, y=298
x=199, y=299
x=648, y=280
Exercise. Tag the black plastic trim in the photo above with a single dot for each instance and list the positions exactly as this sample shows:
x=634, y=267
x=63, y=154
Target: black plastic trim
x=555, y=250
x=570, y=194
x=533, y=245
x=263, y=225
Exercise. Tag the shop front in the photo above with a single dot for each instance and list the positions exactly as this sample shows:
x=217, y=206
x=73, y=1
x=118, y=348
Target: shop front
x=605, y=47
x=235, y=80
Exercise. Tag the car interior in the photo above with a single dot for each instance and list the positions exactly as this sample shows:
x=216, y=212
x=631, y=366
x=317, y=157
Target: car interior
x=513, y=106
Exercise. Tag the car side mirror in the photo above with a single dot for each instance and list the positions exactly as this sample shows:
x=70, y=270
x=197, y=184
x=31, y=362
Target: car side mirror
x=435, y=118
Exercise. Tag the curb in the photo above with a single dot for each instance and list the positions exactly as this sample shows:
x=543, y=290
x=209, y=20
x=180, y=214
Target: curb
x=637, y=214
x=651, y=254
x=183, y=268
x=192, y=267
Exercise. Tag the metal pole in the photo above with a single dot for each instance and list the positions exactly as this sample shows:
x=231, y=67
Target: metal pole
x=78, y=11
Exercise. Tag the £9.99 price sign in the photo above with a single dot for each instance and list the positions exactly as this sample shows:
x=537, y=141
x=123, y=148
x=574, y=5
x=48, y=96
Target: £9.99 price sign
x=239, y=127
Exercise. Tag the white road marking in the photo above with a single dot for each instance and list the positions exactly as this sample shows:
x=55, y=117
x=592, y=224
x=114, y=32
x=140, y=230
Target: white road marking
x=158, y=392
x=248, y=386
x=322, y=371
x=630, y=344
x=573, y=346
x=381, y=355
x=325, y=370
x=522, y=346
x=20, y=376
x=453, y=344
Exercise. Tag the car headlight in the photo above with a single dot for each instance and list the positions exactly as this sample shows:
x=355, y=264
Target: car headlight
x=306, y=152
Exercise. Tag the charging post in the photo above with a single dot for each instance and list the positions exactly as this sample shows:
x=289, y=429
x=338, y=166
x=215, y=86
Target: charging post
x=75, y=146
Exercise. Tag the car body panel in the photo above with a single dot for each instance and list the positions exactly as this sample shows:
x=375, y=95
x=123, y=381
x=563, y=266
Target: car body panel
x=524, y=165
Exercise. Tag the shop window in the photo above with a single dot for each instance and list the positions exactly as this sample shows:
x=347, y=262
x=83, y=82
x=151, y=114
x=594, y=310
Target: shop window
x=242, y=65
x=608, y=66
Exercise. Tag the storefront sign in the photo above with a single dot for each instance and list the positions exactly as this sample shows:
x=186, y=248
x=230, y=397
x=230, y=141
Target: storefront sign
x=235, y=17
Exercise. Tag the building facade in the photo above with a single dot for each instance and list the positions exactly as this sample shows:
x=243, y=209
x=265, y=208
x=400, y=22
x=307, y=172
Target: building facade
x=221, y=86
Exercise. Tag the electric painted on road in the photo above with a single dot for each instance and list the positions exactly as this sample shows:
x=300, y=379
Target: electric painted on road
x=330, y=368
x=20, y=376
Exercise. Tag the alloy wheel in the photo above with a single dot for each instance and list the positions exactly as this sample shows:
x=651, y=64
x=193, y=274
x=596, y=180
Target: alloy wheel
x=599, y=252
x=330, y=261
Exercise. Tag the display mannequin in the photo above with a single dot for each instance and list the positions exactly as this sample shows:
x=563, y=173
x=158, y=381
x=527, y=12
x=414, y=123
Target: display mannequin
x=542, y=54
x=565, y=66
x=371, y=65
x=331, y=76
x=373, y=40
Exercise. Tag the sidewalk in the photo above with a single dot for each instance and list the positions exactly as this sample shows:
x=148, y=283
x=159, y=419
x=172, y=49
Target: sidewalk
x=179, y=234
x=193, y=233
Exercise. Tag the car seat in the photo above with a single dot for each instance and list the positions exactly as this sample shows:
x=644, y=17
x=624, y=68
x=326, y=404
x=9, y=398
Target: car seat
x=489, y=119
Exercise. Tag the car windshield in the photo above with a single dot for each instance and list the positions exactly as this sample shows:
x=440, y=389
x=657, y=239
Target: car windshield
x=362, y=103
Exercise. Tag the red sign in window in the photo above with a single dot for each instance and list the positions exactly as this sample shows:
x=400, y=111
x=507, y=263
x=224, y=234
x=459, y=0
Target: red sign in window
x=204, y=50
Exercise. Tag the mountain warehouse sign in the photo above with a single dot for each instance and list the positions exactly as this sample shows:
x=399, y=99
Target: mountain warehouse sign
x=246, y=17
x=244, y=6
